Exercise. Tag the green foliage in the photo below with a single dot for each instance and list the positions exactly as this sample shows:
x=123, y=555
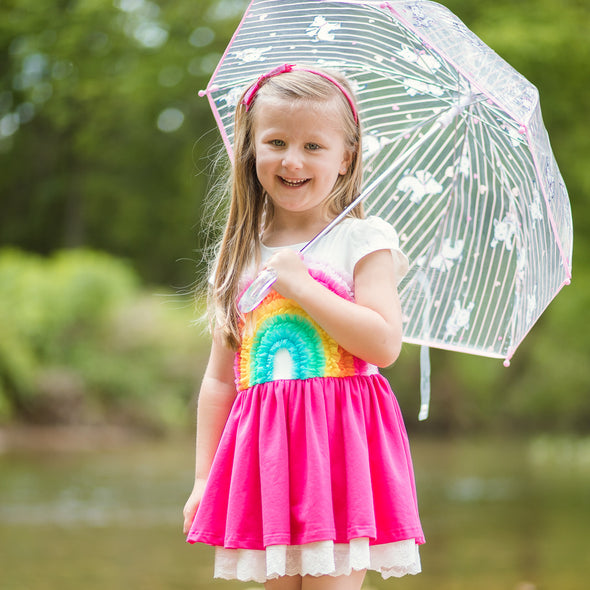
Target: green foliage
x=551, y=385
x=103, y=139
x=80, y=342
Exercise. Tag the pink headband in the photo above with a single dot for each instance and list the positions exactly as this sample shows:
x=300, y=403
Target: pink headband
x=251, y=92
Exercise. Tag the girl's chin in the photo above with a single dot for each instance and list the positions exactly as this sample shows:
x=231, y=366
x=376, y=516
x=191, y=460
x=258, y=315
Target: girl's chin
x=297, y=207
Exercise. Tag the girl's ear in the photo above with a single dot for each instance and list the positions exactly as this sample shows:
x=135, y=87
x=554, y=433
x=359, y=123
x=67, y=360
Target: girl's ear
x=346, y=162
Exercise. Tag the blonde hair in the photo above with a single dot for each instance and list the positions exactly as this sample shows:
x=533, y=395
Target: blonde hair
x=251, y=209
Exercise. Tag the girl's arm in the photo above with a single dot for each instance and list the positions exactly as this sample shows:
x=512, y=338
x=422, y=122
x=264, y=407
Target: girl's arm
x=370, y=327
x=216, y=398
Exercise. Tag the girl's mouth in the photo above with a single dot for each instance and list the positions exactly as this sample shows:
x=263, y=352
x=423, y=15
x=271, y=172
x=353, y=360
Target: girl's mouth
x=294, y=182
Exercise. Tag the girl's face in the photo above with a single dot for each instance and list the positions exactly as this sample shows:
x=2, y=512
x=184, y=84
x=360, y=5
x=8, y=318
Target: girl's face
x=300, y=152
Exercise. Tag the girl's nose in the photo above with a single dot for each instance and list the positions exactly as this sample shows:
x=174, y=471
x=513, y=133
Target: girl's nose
x=292, y=160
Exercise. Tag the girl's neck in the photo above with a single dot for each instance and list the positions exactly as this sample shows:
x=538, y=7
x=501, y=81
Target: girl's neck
x=293, y=229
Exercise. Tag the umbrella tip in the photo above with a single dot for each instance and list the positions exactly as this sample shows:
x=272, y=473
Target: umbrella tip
x=202, y=93
x=506, y=363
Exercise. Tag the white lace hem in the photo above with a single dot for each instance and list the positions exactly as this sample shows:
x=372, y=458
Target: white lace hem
x=317, y=559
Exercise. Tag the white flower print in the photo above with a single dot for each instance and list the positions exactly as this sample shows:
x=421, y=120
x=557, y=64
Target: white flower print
x=449, y=254
x=322, y=30
x=420, y=185
x=372, y=144
x=459, y=319
x=536, y=207
x=252, y=54
x=505, y=231
x=414, y=87
x=424, y=61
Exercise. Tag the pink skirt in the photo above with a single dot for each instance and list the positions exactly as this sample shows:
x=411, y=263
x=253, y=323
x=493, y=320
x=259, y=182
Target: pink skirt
x=306, y=461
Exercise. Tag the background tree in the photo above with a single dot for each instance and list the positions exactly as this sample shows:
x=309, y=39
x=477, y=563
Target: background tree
x=103, y=139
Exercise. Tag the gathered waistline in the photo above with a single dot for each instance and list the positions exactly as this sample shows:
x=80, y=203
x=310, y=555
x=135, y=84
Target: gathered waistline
x=291, y=382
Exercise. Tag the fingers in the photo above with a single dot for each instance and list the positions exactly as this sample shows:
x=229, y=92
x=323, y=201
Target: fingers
x=188, y=521
x=189, y=512
x=292, y=273
x=285, y=257
x=289, y=266
x=192, y=504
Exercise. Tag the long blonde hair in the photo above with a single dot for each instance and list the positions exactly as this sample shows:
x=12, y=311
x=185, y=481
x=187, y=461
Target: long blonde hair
x=250, y=208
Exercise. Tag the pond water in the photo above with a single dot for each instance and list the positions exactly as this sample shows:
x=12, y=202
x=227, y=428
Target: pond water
x=497, y=515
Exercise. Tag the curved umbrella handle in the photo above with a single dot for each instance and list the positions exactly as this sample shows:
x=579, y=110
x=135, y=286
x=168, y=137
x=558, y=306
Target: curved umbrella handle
x=258, y=290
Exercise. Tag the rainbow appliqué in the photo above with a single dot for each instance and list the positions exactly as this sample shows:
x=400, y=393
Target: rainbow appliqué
x=281, y=341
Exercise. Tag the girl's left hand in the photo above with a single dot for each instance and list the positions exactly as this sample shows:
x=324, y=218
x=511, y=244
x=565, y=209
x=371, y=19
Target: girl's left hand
x=190, y=508
x=291, y=270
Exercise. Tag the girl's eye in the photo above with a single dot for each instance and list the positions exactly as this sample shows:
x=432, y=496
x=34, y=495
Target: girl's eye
x=277, y=142
x=313, y=146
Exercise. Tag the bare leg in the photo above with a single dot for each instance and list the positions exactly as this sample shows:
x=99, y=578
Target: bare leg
x=352, y=582
x=284, y=583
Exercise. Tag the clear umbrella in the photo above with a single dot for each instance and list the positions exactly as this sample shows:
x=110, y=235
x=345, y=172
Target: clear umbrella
x=455, y=153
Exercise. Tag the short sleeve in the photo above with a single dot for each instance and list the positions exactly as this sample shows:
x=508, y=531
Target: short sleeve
x=373, y=234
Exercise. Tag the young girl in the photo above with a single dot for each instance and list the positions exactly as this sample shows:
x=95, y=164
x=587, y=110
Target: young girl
x=303, y=470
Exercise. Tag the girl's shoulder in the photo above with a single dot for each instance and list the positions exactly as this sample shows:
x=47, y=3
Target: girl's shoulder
x=371, y=228
x=354, y=238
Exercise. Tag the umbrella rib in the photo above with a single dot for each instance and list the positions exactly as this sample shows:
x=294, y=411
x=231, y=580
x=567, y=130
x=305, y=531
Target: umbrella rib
x=484, y=151
x=402, y=134
x=504, y=184
x=398, y=78
x=444, y=216
x=457, y=161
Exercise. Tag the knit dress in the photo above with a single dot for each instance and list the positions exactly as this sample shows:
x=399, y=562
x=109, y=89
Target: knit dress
x=313, y=473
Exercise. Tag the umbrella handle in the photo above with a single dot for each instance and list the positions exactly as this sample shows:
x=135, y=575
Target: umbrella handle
x=258, y=290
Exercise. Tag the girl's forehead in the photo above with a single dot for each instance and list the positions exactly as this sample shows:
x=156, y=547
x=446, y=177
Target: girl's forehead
x=323, y=113
x=318, y=105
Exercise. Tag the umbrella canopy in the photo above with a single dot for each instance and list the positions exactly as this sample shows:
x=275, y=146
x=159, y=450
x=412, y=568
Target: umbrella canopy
x=456, y=149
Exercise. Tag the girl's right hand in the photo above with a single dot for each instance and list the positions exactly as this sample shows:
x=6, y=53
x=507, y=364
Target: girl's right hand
x=292, y=273
x=190, y=508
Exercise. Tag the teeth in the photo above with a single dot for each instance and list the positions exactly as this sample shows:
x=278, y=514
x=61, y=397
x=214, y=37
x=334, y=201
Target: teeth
x=294, y=182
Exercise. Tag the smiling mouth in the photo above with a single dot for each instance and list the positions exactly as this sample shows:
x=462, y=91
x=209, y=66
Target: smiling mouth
x=294, y=183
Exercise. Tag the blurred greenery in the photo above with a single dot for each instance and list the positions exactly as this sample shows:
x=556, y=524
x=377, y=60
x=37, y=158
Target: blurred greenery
x=81, y=343
x=105, y=146
x=103, y=139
